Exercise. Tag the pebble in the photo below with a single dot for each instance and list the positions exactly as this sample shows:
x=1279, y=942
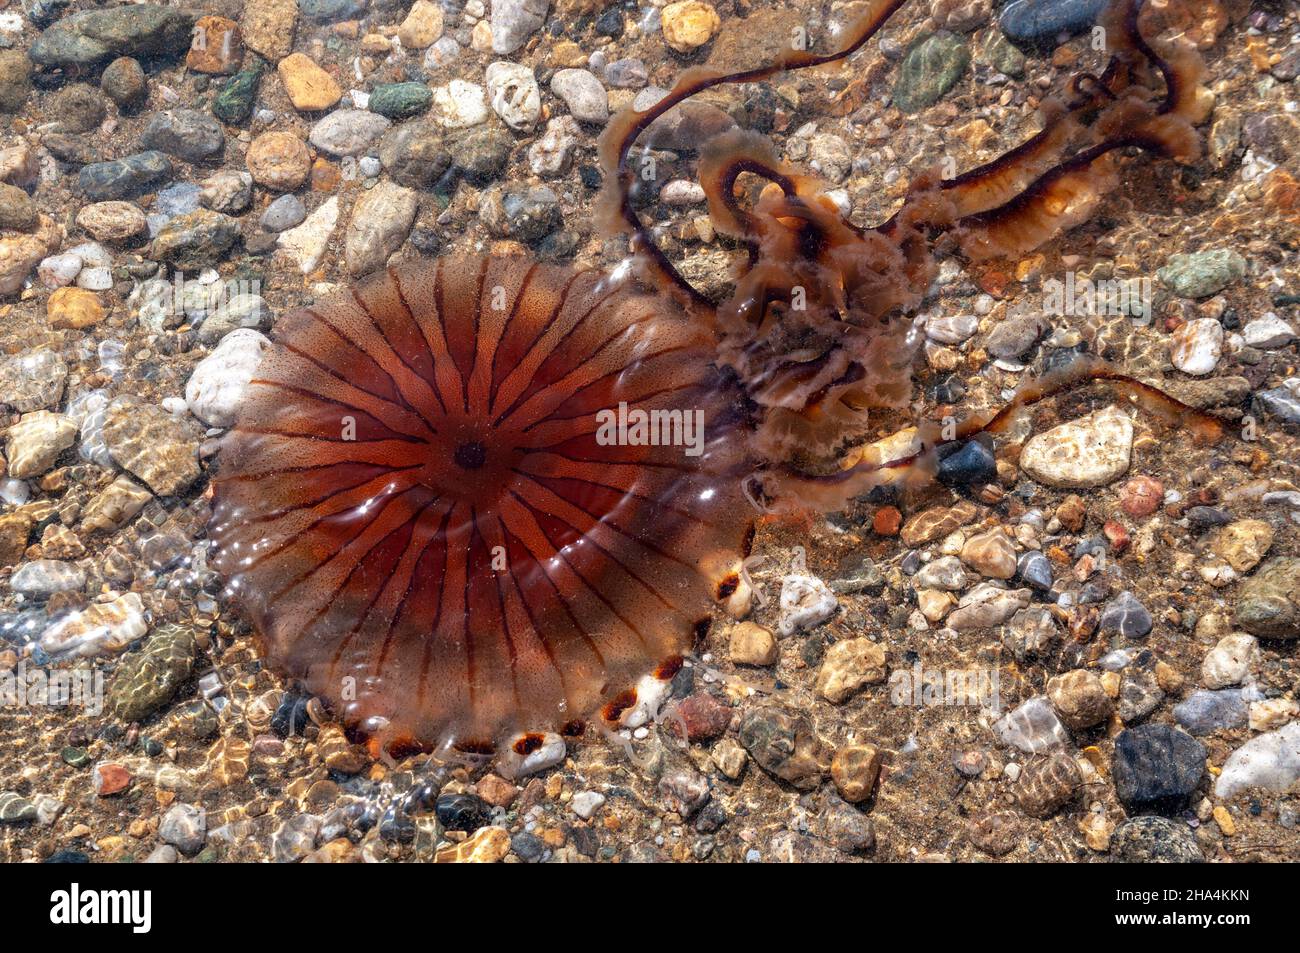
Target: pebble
x=951, y=329
x=1141, y=496
x=937, y=522
x=218, y=381
x=680, y=192
x=1156, y=768
x=306, y=244
x=583, y=94
x=1088, y=452
x=228, y=191
x=92, y=36
x=1079, y=698
x=1202, y=273
x=346, y=132
x=152, y=445
x=109, y=778
x=35, y=442
x=422, y=27
x=996, y=833
x=1204, y=711
x=381, y=219
x=729, y=757
x=703, y=715
x=752, y=644
x=17, y=210
x=805, y=602
x=42, y=578
x=400, y=100
x=513, y=21
x=15, y=80
x=855, y=769
x=99, y=629
x=16, y=809
x=1032, y=727
x=415, y=155
x=331, y=11
x=848, y=666
x=845, y=827
x=460, y=105
x=185, y=827
x=269, y=27
x=586, y=803
x=234, y=103
x=285, y=212
x=1195, y=348
x=1243, y=543
x=295, y=838
x=56, y=271
x=1139, y=695
x=1269, y=602
x=112, y=221
x=1281, y=403
x=196, y=240
x=124, y=178
x=1035, y=570
x=985, y=606
x=1272, y=713
x=184, y=133
x=1268, y=332
x=1269, y=761
x=991, y=554
x=785, y=746
x=933, y=65
x=460, y=812
x=830, y=157
x=1043, y=22
x=515, y=96
x=552, y=153
x=524, y=213
x=146, y=680
x=1151, y=839
x=968, y=464
x=688, y=24
x=1048, y=784
x=945, y=573
x=217, y=46
x=1230, y=661
x=1125, y=615
x=626, y=74
x=1013, y=337
x=684, y=126
x=309, y=87
x=489, y=845
x=496, y=790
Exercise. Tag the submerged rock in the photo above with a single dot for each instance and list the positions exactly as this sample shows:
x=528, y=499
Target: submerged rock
x=147, y=680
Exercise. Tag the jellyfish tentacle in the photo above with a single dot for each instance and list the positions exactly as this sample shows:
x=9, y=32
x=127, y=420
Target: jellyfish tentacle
x=615, y=210
x=909, y=456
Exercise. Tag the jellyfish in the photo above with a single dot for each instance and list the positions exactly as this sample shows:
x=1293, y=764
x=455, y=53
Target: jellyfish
x=482, y=501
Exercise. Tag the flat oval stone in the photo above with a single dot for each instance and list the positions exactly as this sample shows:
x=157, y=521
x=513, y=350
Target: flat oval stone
x=1088, y=452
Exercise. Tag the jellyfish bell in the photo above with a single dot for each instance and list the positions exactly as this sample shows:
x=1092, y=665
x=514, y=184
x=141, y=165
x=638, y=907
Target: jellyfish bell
x=415, y=511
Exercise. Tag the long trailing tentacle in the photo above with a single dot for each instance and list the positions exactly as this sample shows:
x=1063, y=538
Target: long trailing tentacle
x=909, y=456
x=615, y=206
x=1056, y=179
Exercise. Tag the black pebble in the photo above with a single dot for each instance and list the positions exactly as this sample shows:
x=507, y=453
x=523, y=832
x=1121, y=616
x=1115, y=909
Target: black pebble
x=460, y=812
